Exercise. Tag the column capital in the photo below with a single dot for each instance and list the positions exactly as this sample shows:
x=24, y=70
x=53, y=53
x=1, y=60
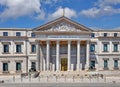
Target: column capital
x=78, y=40
x=57, y=40
x=37, y=41
x=47, y=40
x=88, y=41
x=69, y=41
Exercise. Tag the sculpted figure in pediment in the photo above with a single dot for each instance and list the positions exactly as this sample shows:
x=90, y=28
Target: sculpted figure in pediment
x=63, y=27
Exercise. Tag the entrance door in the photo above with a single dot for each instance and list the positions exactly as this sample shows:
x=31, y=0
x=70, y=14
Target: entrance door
x=63, y=64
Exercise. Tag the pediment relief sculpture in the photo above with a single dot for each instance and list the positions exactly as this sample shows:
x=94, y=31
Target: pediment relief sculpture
x=63, y=27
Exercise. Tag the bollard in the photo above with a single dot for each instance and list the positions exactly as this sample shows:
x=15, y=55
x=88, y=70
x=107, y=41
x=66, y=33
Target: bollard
x=90, y=78
x=73, y=78
x=65, y=78
x=21, y=79
x=97, y=79
x=39, y=78
x=56, y=78
x=13, y=78
x=82, y=78
x=47, y=78
x=114, y=82
x=105, y=79
x=30, y=78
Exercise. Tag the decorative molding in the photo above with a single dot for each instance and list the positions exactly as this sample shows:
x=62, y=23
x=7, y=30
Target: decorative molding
x=5, y=61
x=115, y=58
x=19, y=61
x=33, y=60
x=33, y=43
x=6, y=42
x=18, y=42
x=105, y=58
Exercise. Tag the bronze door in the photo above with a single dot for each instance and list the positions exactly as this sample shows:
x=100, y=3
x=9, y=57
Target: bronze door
x=63, y=64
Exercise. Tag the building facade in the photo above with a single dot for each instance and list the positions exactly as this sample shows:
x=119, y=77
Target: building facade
x=59, y=45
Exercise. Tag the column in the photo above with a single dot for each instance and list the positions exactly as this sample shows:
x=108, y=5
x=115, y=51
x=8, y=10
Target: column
x=78, y=55
x=87, y=55
x=47, y=54
x=57, y=55
x=41, y=59
x=69, y=55
x=38, y=55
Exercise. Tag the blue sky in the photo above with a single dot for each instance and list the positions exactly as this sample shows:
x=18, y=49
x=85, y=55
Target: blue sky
x=95, y=14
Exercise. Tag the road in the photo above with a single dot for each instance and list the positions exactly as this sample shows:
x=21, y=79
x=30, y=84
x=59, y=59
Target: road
x=59, y=85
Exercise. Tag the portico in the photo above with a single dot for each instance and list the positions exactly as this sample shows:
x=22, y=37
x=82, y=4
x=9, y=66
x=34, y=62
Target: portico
x=54, y=54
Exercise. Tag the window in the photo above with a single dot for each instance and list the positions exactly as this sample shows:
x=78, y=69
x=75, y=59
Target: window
x=18, y=34
x=92, y=35
x=32, y=35
x=33, y=48
x=105, y=34
x=18, y=66
x=5, y=67
x=6, y=48
x=92, y=47
x=92, y=64
x=5, y=33
x=105, y=64
x=33, y=66
x=116, y=64
x=105, y=47
x=18, y=48
x=115, y=49
x=115, y=34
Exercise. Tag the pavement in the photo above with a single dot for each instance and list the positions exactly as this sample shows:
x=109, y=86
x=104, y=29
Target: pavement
x=59, y=85
x=16, y=81
x=59, y=79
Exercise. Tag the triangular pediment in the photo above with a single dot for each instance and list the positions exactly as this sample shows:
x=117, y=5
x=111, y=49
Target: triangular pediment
x=62, y=24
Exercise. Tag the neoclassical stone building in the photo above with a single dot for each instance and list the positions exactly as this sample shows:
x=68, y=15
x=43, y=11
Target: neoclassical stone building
x=59, y=45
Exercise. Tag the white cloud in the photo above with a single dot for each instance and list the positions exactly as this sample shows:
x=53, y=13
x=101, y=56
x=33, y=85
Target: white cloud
x=18, y=8
x=107, y=2
x=49, y=1
x=92, y=12
x=101, y=8
x=59, y=12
